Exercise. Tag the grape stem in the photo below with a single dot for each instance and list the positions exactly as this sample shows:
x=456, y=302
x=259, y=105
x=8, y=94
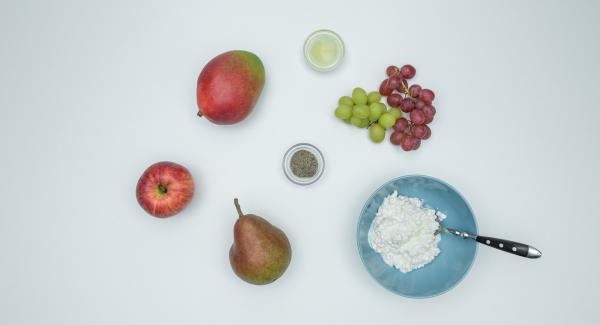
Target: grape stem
x=405, y=88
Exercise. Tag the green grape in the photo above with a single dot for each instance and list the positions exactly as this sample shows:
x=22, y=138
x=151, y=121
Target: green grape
x=396, y=112
x=343, y=112
x=376, y=133
x=359, y=96
x=387, y=120
x=375, y=111
x=364, y=122
x=373, y=97
x=347, y=121
x=356, y=121
x=346, y=100
x=360, y=111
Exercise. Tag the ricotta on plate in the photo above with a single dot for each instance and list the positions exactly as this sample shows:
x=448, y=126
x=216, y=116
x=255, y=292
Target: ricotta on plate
x=403, y=232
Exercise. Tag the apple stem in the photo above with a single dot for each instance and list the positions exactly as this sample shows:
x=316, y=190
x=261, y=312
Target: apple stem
x=238, y=208
x=162, y=189
x=200, y=114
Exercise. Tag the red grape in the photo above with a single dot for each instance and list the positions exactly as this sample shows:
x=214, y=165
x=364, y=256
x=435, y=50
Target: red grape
x=408, y=131
x=401, y=124
x=419, y=104
x=407, y=142
x=385, y=89
x=417, y=117
x=402, y=86
x=394, y=100
x=407, y=105
x=396, y=137
x=408, y=71
x=414, y=90
x=420, y=131
x=429, y=111
x=416, y=143
x=427, y=95
x=395, y=81
x=428, y=133
x=392, y=70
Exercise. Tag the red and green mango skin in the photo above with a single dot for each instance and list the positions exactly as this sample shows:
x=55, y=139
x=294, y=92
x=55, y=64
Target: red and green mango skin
x=229, y=86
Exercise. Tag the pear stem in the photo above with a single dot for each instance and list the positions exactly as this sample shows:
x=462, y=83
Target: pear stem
x=238, y=208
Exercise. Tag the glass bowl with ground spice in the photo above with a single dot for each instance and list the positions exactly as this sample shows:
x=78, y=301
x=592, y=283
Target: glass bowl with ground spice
x=303, y=164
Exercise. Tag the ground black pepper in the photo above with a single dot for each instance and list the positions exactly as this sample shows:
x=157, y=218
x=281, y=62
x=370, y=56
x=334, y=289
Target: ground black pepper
x=304, y=163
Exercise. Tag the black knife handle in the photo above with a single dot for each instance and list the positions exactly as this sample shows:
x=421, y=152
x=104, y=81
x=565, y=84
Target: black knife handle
x=510, y=246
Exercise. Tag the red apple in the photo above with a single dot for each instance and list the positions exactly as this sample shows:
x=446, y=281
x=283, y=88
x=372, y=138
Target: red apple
x=165, y=189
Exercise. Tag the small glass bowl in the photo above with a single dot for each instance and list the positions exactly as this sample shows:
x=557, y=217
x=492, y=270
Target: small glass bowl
x=287, y=170
x=334, y=38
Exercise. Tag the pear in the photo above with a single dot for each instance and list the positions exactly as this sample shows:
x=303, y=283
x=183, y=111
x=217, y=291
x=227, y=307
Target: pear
x=260, y=252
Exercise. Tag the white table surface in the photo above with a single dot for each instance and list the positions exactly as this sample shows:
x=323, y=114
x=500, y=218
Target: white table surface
x=91, y=94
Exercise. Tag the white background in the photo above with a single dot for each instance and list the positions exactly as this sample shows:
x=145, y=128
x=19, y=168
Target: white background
x=93, y=93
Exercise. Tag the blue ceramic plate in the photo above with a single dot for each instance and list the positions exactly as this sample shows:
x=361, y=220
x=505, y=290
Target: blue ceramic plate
x=456, y=254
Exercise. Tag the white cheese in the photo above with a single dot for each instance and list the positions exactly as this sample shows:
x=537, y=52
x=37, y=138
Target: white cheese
x=403, y=232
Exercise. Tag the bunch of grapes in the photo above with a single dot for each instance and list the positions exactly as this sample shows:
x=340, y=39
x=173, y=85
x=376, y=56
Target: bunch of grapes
x=413, y=100
x=366, y=111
